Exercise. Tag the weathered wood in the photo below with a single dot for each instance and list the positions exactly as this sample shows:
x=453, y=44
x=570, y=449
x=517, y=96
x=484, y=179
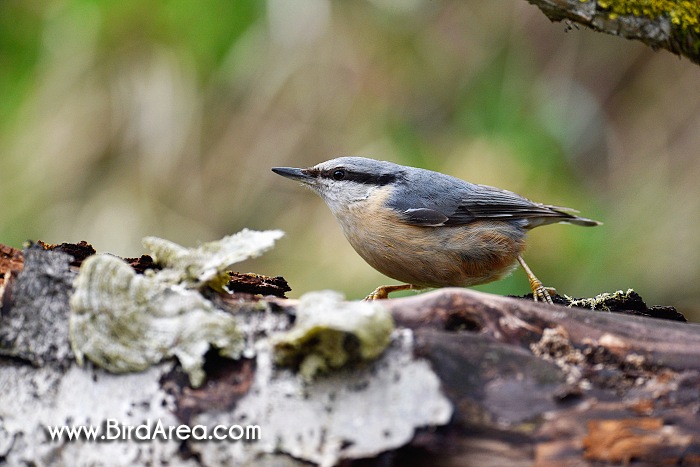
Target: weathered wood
x=528, y=384
x=559, y=385
x=34, y=313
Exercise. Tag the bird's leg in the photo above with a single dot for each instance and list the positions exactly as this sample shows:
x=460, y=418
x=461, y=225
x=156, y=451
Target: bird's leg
x=539, y=291
x=384, y=291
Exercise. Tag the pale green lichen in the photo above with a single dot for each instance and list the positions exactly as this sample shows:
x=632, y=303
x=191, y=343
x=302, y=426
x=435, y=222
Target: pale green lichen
x=124, y=322
x=359, y=412
x=684, y=14
x=329, y=333
x=599, y=302
x=208, y=263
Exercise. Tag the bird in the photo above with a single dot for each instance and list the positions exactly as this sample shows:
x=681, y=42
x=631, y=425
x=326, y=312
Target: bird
x=427, y=229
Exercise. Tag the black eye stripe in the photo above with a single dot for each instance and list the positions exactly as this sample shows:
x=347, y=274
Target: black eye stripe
x=359, y=177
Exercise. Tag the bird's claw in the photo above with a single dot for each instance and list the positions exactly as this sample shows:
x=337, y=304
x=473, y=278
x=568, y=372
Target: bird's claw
x=539, y=291
x=380, y=293
x=542, y=293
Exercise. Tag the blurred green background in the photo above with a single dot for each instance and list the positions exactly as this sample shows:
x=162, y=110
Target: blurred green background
x=122, y=119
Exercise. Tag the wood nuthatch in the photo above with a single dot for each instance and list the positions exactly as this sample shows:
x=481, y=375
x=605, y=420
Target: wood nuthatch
x=428, y=229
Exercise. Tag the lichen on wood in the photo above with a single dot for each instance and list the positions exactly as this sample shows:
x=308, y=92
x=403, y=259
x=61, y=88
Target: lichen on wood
x=352, y=413
x=673, y=25
x=126, y=322
x=123, y=321
x=683, y=13
x=467, y=379
x=207, y=264
x=330, y=332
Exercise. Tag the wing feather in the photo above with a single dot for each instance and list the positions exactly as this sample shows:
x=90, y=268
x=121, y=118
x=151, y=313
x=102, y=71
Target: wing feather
x=457, y=202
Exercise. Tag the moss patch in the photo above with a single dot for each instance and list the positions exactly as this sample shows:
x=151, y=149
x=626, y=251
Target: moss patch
x=684, y=14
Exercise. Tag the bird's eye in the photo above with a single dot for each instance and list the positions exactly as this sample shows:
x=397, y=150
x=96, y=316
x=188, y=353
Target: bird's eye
x=338, y=174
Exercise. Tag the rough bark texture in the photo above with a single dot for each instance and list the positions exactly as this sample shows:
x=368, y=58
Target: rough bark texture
x=658, y=31
x=558, y=385
x=525, y=383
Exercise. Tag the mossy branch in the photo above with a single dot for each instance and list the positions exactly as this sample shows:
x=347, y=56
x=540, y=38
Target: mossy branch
x=673, y=25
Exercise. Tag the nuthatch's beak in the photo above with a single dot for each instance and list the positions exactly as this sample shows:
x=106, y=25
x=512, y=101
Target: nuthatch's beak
x=294, y=174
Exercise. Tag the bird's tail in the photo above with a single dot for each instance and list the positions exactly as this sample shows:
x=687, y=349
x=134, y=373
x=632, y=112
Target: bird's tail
x=569, y=216
x=581, y=221
x=557, y=214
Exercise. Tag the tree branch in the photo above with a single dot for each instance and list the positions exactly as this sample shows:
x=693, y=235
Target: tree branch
x=660, y=24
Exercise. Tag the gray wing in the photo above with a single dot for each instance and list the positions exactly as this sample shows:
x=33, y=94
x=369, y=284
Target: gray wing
x=451, y=201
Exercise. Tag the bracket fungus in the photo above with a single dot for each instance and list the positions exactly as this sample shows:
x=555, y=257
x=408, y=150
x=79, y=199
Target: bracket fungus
x=123, y=321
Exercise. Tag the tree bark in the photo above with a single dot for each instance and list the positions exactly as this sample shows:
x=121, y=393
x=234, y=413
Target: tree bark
x=468, y=379
x=677, y=31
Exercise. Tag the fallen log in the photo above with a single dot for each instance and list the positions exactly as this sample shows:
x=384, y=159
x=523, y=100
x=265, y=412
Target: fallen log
x=459, y=378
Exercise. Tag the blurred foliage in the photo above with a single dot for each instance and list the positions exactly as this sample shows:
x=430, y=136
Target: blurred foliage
x=123, y=119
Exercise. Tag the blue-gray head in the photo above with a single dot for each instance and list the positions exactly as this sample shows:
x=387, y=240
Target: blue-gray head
x=345, y=180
